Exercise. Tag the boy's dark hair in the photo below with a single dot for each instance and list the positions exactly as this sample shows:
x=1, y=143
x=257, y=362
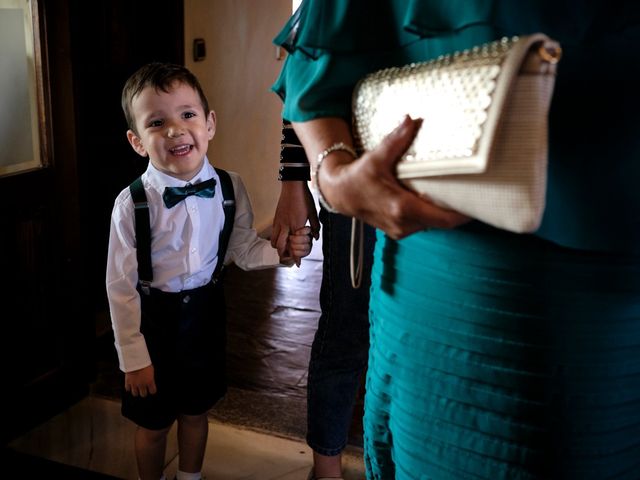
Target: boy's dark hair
x=160, y=76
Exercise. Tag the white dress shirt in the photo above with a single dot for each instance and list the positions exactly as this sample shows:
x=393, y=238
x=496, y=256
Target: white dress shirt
x=184, y=251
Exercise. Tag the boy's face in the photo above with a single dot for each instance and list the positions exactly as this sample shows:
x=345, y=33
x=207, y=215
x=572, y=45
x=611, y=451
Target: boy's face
x=173, y=130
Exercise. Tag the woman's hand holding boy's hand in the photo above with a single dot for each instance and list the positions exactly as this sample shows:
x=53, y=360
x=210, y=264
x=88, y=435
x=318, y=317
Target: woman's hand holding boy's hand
x=298, y=246
x=295, y=208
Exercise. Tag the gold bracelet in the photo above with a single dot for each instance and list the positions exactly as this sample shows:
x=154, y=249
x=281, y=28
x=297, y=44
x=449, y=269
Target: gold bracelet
x=339, y=146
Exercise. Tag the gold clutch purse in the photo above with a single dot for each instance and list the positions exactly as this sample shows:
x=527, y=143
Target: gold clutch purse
x=482, y=147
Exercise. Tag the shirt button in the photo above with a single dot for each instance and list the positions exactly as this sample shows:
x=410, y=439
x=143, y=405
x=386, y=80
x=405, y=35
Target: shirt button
x=193, y=250
x=186, y=299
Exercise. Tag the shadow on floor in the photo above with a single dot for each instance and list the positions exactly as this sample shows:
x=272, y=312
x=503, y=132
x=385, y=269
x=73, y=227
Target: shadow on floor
x=267, y=413
x=28, y=466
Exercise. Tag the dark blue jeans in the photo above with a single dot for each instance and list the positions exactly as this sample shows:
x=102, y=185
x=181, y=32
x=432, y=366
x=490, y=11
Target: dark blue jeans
x=341, y=344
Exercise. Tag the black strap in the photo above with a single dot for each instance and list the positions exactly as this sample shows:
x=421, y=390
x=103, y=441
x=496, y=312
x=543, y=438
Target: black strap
x=143, y=234
x=229, y=206
x=143, y=228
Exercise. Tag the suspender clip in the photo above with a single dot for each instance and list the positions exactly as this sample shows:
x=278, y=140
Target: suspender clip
x=217, y=275
x=145, y=286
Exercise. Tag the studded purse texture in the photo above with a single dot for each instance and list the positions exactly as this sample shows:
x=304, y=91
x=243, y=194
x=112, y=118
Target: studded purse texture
x=482, y=147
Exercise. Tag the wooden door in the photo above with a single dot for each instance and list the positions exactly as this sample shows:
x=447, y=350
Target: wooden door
x=45, y=336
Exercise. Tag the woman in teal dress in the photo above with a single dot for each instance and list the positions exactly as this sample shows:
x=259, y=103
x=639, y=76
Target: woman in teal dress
x=493, y=354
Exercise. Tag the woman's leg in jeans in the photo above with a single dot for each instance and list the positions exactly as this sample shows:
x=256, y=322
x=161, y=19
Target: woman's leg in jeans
x=340, y=347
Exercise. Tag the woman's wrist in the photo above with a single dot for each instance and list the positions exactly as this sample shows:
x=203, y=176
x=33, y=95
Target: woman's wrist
x=339, y=153
x=293, y=187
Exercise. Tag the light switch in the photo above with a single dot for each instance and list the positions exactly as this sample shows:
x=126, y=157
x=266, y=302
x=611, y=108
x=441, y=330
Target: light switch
x=199, y=50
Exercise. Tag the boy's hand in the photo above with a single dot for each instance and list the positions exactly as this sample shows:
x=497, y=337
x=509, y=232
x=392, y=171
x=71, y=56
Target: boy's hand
x=140, y=383
x=298, y=246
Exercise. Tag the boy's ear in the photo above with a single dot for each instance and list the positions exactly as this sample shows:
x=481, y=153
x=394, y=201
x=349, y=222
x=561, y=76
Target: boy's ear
x=136, y=143
x=211, y=124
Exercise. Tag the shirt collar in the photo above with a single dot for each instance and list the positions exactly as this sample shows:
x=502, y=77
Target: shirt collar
x=160, y=180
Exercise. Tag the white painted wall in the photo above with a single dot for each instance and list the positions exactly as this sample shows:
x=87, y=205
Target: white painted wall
x=239, y=68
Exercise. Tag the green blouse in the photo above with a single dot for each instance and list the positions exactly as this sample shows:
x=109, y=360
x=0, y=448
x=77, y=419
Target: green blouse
x=594, y=155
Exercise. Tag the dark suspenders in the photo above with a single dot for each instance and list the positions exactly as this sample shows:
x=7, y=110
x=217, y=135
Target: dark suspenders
x=143, y=234
x=143, y=228
x=229, y=206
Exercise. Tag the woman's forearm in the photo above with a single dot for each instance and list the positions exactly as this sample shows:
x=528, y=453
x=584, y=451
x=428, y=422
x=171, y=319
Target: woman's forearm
x=318, y=135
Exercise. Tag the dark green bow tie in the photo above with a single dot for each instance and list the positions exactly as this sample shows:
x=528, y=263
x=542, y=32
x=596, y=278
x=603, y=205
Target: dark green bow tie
x=174, y=195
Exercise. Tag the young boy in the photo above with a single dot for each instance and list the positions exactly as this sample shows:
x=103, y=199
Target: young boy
x=169, y=233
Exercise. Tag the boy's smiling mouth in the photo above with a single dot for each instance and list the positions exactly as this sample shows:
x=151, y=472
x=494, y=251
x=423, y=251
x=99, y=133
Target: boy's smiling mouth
x=181, y=150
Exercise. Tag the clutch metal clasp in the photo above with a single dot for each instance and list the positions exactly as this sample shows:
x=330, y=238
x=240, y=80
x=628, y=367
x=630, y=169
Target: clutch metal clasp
x=550, y=53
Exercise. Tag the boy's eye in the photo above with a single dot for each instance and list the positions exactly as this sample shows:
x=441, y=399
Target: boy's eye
x=155, y=123
x=189, y=114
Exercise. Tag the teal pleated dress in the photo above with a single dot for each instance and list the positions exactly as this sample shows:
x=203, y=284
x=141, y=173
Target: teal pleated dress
x=496, y=355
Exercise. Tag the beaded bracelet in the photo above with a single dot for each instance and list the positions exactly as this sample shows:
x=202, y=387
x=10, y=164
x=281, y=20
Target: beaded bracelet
x=339, y=146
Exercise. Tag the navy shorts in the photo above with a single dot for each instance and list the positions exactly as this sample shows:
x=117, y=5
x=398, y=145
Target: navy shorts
x=185, y=333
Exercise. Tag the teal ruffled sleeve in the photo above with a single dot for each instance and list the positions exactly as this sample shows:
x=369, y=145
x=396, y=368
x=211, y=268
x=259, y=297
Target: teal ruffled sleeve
x=333, y=43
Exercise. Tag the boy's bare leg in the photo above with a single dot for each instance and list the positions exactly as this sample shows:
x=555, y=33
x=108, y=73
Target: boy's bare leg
x=150, y=446
x=193, y=431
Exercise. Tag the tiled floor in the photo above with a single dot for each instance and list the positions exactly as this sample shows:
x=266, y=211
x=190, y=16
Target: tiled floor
x=257, y=431
x=94, y=436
